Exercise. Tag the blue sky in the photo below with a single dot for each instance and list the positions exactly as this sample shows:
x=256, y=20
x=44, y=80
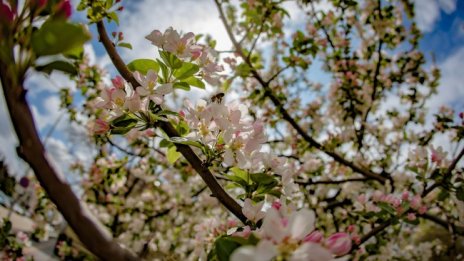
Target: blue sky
x=441, y=20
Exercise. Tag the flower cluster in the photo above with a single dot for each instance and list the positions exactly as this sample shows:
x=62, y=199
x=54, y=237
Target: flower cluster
x=405, y=204
x=226, y=129
x=186, y=48
x=290, y=234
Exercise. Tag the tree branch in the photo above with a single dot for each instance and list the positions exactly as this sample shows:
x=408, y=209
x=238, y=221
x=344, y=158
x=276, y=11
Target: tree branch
x=311, y=182
x=186, y=151
x=448, y=173
x=285, y=115
x=95, y=237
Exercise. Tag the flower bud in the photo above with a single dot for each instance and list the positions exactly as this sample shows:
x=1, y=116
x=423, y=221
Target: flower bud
x=315, y=237
x=101, y=127
x=339, y=243
x=64, y=8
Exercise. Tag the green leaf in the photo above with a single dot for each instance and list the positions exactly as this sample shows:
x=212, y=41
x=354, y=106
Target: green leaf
x=165, y=143
x=75, y=53
x=262, y=178
x=170, y=60
x=387, y=207
x=185, y=141
x=113, y=16
x=224, y=247
x=57, y=36
x=243, y=175
x=187, y=70
x=194, y=81
x=173, y=155
x=125, y=45
x=164, y=71
x=181, y=85
x=123, y=124
x=143, y=65
x=58, y=66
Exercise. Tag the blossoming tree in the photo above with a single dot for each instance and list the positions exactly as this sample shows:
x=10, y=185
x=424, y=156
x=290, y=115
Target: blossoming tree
x=294, y=169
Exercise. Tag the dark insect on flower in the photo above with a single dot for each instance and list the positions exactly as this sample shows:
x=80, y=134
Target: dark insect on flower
x=217, y=98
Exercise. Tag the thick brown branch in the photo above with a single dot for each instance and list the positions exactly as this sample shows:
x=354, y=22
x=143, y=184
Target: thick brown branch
x=90, y=232
x=186, y=151
x=285, y=115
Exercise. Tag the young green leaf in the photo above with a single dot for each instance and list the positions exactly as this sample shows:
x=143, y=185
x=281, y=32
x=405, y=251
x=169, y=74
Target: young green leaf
x=143, y=65
x=57, y=36
x=173, y=155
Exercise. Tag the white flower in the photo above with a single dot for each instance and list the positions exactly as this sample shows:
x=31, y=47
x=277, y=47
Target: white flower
x=311, y=252
x=253, y=212
x=148, y=87
x=264, y=251
x=295, y=228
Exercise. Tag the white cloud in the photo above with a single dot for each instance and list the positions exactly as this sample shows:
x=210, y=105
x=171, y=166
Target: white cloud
x=199, y=17
x=428, y=12
x=451, y=89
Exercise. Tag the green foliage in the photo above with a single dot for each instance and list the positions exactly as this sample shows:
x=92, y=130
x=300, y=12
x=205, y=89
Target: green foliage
x=58, y=36
x=123, y=124
x=143, y=65
x=173, y=155
x=62, y=66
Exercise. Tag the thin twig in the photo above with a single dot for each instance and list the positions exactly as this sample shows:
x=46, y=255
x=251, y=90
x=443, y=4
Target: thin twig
x=286, y=116
x=448, y=173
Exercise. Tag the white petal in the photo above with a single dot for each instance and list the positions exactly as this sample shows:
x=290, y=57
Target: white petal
x=142, y=91
x=264, y=251
x=311, y=252
x=164, y=89
x=301, y=223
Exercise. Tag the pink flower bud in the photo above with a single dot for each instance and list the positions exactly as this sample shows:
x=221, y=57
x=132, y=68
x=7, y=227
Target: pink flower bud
x=118, y=82
x=121, y=8
x=65, y=8
x=150, y=133
x=276, y=205
x=416, y=202
x=356, y=238
x=411, y=216
x=339, y=243
x=101, y=127
x=6, y=14
x=461, y=115
x=422, y=209
x=315, y=237
x=405, y=195
x=350, y=228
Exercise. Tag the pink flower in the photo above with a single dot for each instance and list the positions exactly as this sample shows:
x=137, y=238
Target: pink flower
x=411, y=216
x=118, y=82
x=101, y=127
x=6, y=14
x=405, y=195
x=315, y=237
x=422, y=210
x=339, y=243
x=253, y=212
x=416, y=202
x=65, y=8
